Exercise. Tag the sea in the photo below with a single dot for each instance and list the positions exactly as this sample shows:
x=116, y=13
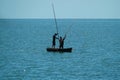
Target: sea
x=95, y=49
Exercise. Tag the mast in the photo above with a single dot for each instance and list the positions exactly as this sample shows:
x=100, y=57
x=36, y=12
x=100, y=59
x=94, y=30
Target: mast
x=55, y=17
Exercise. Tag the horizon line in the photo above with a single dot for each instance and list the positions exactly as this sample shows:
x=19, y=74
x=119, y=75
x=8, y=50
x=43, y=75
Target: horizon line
x=60, y=18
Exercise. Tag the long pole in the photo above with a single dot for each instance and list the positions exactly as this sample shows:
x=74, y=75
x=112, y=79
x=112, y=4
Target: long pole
x=55, y=17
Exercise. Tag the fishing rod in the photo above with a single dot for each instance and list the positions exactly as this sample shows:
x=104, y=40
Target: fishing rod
x=54, y=17
x=68, y=29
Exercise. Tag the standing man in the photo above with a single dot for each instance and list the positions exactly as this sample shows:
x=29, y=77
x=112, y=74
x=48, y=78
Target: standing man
x=61, y=42
x=54, y=40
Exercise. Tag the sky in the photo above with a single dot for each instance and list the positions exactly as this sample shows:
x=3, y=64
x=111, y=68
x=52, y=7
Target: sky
x=63, y=9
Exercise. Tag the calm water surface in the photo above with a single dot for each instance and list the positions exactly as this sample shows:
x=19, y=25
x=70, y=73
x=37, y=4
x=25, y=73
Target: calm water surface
x=95, y=55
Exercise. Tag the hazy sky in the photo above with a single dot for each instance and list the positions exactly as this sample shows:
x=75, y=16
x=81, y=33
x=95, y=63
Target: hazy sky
x=63, y=8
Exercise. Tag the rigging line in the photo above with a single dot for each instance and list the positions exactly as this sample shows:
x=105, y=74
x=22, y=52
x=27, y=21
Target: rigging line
x=68, y=29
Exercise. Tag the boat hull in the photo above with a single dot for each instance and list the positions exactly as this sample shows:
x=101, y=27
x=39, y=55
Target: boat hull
x=59, y=50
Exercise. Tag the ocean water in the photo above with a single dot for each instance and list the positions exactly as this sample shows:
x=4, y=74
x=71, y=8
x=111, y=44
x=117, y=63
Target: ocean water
x=95, y=55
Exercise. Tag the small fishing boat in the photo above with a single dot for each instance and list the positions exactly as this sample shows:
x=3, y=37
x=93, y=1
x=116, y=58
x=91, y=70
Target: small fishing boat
x=59, y=50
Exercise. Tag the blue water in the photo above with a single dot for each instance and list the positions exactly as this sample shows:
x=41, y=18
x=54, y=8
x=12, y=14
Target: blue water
x=95, y=55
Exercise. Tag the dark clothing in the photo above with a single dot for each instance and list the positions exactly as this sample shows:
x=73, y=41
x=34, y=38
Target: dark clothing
x=54, y=40
x=54, y=36
x=61, y=42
